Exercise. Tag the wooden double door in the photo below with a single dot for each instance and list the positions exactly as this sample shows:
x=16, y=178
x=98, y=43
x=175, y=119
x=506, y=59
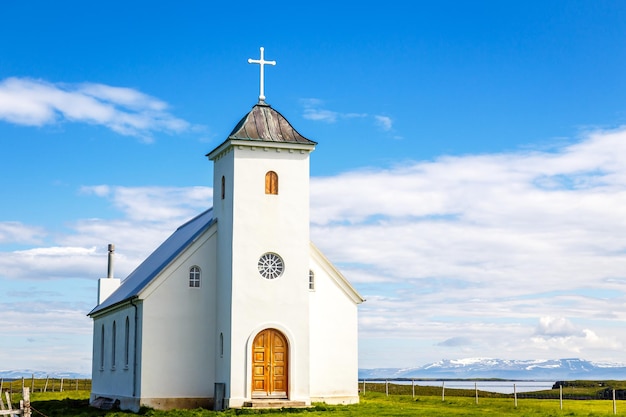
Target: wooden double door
x=270, y=365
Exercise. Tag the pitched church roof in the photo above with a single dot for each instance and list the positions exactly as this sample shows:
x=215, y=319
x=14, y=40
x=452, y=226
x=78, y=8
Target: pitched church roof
x=263, y=123
x=158, y=260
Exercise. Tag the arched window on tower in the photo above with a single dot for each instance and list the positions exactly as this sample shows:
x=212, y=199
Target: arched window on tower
x=223, y=187
x=194, y=277
x=311, y=280
x=271, y=183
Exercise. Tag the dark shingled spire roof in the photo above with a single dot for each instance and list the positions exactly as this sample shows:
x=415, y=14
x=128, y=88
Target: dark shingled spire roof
x=263, y=123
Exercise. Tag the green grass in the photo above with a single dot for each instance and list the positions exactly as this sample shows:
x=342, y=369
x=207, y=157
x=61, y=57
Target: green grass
x=381, y=406
x=75, y=404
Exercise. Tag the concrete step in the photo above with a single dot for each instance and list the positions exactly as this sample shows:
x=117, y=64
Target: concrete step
x=273, y=403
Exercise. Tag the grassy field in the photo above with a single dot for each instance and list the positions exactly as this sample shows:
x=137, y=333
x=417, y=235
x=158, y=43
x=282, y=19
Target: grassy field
x=75, y=404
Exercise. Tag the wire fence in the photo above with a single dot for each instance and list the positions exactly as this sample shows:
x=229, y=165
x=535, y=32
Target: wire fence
x=516, y=390
x=44, y=384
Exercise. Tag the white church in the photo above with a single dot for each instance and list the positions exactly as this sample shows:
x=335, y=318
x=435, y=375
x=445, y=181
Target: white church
x=237, y=308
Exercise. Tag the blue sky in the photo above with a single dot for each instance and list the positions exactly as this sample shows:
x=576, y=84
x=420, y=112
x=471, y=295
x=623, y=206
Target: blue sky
x=470, y=176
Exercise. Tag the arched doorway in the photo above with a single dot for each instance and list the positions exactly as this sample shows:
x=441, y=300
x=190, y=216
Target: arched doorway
x=270, y=365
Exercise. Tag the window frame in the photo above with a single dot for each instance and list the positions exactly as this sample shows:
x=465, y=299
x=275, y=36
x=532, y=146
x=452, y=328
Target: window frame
x=127, y=343
x=271, y=183
x=195, y=276
x=102, y=342
x=271, y=266
x=113, y=342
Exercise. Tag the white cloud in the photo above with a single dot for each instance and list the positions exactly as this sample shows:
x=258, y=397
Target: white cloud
x=556, y=327
x=124, y=110
x=149, y=216
x=314, y=110
x=45, y=263
x=155, y=203
x=16, y=232
x=320, y=115
x=477, y=247
x=384, y=122
x=583, y=344
x=53, y=325
x=456, y=342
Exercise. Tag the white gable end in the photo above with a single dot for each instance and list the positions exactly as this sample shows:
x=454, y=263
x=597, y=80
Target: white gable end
x=334, y=348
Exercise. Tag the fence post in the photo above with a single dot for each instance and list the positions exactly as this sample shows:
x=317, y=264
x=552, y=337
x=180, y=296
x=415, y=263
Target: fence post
x=61, y=387
x=443, y=390
x=413, y=386
x=45, y=388
x=614, y=404
x=476, y=389
x=26, y=402
x=561, y=395
x=32, y=383
x=387, y=387
x=515, y=394
x=8, y=397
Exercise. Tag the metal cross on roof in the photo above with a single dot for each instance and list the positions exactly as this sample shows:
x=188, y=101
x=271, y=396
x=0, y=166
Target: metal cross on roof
x=262, y=62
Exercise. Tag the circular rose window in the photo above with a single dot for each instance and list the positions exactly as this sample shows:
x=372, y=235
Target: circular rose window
x=271, y=266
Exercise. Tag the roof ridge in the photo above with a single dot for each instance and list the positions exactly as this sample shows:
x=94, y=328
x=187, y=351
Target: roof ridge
x=194, y=218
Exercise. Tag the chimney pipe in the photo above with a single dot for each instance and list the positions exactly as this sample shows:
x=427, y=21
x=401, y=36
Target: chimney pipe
x=110, y=266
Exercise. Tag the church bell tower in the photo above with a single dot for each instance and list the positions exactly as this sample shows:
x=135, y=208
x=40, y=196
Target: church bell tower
x=261, y=203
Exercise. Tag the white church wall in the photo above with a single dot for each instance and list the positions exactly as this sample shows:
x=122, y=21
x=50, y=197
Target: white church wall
x=334, y=338
x=270, y=223
x=179, y=343
x=113, y=363
x=222, y=209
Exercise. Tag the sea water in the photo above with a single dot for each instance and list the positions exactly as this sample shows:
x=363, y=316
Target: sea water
x=499, y=386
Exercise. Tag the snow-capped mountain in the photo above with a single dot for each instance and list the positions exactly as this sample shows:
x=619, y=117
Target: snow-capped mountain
x=557, y=369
